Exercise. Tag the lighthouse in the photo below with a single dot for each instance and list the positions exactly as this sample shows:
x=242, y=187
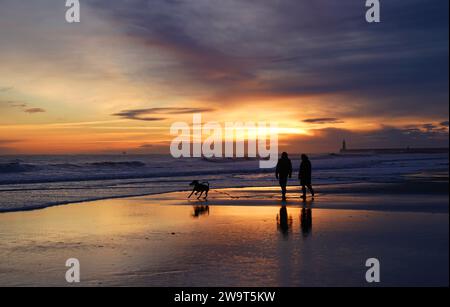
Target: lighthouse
x=344, y=146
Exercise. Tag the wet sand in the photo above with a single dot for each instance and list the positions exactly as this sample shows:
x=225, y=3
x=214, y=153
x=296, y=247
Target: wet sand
x=244, y=239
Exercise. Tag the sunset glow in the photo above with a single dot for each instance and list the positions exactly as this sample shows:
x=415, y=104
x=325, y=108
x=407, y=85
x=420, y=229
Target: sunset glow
x=104, y=86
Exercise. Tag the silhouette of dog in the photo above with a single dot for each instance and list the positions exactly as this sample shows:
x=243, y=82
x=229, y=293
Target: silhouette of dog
x=199, y=188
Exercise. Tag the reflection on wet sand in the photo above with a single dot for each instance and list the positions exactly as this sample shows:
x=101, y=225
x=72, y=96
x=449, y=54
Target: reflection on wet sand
x=152, y=241
x=200, y=210
x=284, y=222
x=306, y=221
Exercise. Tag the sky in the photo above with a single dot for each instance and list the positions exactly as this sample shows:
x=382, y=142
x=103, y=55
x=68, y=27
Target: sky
x=120, y=78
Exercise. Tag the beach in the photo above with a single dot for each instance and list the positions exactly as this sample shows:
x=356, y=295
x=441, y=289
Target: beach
x=313, y=137
x=128, y=221
x=239, y=237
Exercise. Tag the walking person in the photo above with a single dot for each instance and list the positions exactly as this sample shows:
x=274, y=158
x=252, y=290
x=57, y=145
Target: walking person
x=305, y=176
x=283, y=172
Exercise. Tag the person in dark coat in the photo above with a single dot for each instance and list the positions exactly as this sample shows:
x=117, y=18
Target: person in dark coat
x=305, y=176
x=283, y=172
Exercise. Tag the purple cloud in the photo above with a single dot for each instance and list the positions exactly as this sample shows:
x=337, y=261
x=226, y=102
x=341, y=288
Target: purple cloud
x=323, y=120
x=154, y=114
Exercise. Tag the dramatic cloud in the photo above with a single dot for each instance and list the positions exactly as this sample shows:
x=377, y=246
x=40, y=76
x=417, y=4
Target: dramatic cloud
x=324, y=120
x=234, y=49
x=154, y=114
x=284, y=60
x=34, y=110
x=429, y=127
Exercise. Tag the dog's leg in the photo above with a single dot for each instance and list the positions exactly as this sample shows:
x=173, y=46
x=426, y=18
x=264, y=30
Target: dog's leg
x=206, y=195
x=191, y=194
x=200, y=195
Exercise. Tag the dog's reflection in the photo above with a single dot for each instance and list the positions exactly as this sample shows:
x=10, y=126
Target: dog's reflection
x=200, y=210
x=284, y=221
x=306, y=221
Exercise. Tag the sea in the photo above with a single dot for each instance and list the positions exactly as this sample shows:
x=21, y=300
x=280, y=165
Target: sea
x=35, y=182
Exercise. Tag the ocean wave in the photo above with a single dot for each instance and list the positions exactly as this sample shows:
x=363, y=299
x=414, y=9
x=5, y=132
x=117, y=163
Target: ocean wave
x=68, y=169
x=66, y=166
x=40, y=181
x=18, y=166
x=15, y=167
x=109, y=164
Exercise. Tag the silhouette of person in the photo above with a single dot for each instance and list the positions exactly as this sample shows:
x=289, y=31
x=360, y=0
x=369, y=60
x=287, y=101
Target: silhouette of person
x=306, y=221
x=283, y=171
x=305, y=176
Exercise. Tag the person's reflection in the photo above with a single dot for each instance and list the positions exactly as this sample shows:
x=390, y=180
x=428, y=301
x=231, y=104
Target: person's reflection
x=284, y=222
x=200, y=210
x=306, y=221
